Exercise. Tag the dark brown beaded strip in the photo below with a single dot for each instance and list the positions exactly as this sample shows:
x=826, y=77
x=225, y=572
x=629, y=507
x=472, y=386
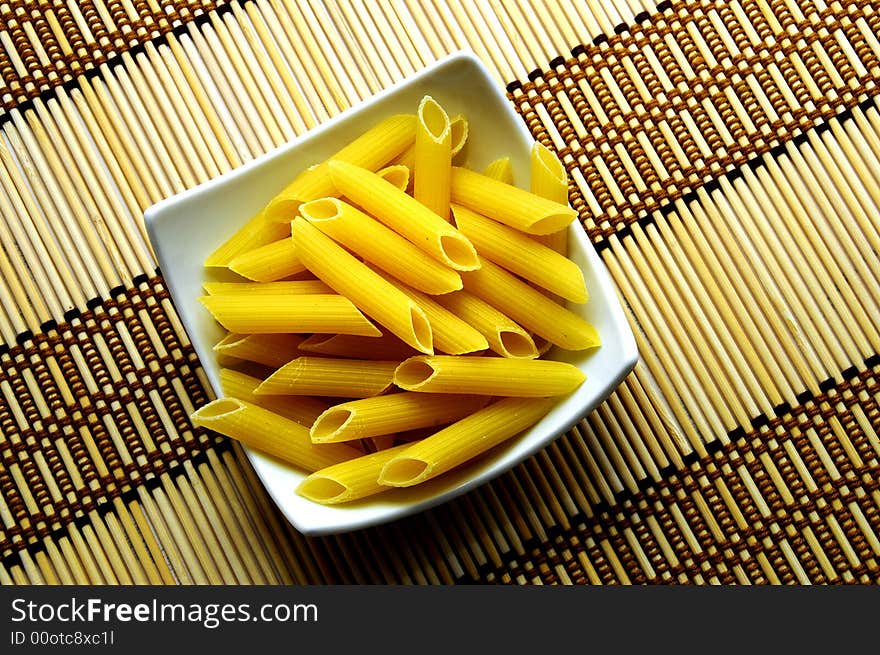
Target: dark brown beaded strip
x=710, y=483
x=83, y=406
x=629, y=119
x=76, y=39
x=702, y=492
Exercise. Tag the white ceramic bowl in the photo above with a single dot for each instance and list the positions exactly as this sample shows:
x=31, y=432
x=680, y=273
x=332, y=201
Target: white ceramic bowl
x=186, y=228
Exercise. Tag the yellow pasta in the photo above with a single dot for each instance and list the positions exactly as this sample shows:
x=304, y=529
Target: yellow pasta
x=271, y=350
x=504, y=336
x=347, y=481
x=327, y=313
x=287, y=288
x=413, y=256
x=451, y=334
x=386, y=347
x=270, y=433
x=488, y=376
x=542, y=344
x=405, y=215
x=397, y=175
x=508, y=204
x=268, y=263
x=395, y=412
x=500, y=170
x=522, y=255
x=371, y=150
x=383, y=442
x=458, y=128
x=379, y=245
x=323, y=376
x=455, y=445
x=369, y=291
x=253, y=234
x=433, y=157
x=302, y=409
x=530, y=308
x=549, y=179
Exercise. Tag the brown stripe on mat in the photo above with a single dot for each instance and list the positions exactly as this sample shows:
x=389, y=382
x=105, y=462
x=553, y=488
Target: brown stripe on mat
x=792, y=502
x=793, y=499
x=57, y=43
x=640, y=119
x=94, y=406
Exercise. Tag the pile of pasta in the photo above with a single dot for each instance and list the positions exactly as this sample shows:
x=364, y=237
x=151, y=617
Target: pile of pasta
x=393, y=310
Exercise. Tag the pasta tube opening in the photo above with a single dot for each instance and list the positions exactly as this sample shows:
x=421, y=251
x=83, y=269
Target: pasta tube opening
x=398, y=176
x=434, y=119
x=517, y=344
x=413, y=373
x=322, y=490
x=421, y=328
x=458, y=128
x=220, y=408
x=551, y=223
x=328, y=424
x=459, y=251
x=404, y=471
x=323, y=209
x=545, y=158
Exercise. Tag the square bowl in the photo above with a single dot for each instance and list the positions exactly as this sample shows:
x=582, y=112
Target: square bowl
x=186, y=228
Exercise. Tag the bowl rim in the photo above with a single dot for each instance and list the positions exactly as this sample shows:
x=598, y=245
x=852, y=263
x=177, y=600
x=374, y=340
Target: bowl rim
x=151, y=212
x=153, y=215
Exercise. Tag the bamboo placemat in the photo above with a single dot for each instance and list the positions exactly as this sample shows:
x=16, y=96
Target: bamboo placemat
x=724, y=158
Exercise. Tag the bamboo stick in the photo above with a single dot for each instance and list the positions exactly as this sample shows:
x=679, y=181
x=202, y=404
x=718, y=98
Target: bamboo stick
x=280, y=78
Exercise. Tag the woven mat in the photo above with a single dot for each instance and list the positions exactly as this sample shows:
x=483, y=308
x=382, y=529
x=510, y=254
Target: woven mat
x=724, y=158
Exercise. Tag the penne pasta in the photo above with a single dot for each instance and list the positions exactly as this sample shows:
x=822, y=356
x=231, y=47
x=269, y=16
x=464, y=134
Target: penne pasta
x=347, y=481
x=291, y=288
x=397, y=175
x=503, y=335
x=371, y=240
x=372, y=150
x=395, y=412
x=387, y=347
x=549, y=179
x=500, y=170
x=302, y=409
x=458, y=129
x=271, y=350
x=268, y=263
x=323, y=376
x=433, y=157
x=455, y=444
x=382, y=442
x=451, y=334
x=270, y=433
x=488, y=376
x=326, y=313
x=522, y=255
x=542, y=344
x=370, y=292
x=359, y=376
x=508, y=204
x=253, y=234
x=405, y=215
x=530, y=308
